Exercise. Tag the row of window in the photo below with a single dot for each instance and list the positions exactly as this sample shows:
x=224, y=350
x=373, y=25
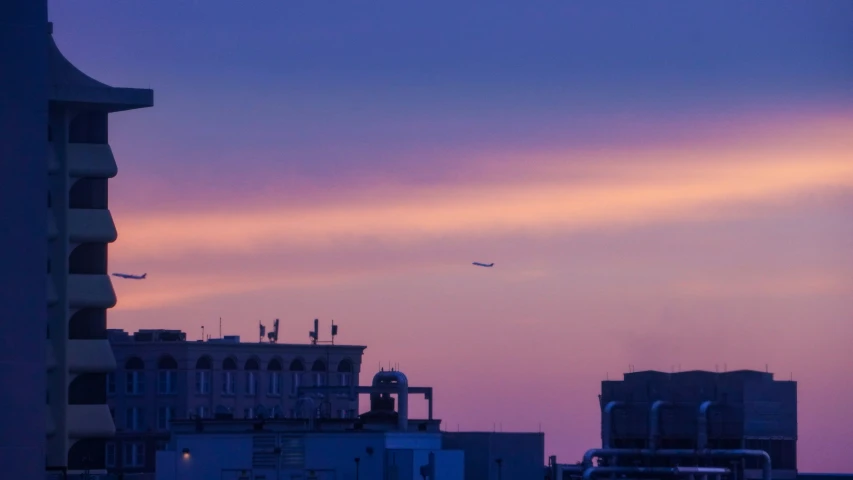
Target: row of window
x=133, y=454
x=135, y=420
x=167, y=382
x=167, y=362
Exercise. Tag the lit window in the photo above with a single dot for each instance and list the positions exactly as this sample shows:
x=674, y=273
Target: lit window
x=228, y=383
x=275, y=383
x=319, y=379
x=343, y=379
x=202, y=411
x=167, y=382
x=296, y=380
x=251, y=383
x=135, y=382
x=249, y=412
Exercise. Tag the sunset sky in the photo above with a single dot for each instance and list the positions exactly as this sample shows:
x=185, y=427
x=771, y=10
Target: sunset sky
x=660, y=184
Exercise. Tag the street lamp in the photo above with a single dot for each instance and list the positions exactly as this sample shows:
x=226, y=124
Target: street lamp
x=357, y=460
x=500, y=462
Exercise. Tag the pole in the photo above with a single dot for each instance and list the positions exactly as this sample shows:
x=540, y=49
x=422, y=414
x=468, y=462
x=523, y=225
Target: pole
x=357, y=460
x=500, y=468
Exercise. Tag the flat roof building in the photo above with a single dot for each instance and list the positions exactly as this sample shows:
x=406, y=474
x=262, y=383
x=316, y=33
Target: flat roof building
x=162, y=379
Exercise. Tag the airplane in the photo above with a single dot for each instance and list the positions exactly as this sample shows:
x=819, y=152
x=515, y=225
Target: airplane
x=133, y=277
x=484, y=264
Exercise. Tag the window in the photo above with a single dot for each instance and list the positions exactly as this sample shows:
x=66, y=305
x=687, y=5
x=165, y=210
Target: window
x=201, y=411
x=165, y=415
x=111, y=383
x=167, y=376
x=134, y=454
x=275, y=383
x=134, y=382
x=229, y=365
x=167, y=382
x=249, y=412
x=343, y=379
x=251, y=383
x=133, y=419
x=162, y=445
x=319, y=379
x=342, y=413
x=227, y=383
x=110, y=454
x=202, y=375
x=344, y=372
x=295, y=382
x=202, y=382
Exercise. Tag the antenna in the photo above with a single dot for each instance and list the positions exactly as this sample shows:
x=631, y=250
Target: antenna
x=314, y=334
x=334, y=331
x=725, y=368
x=262, y=329
x=202, y=333
x=220, y=327
x=273, y=336
x=766, y=368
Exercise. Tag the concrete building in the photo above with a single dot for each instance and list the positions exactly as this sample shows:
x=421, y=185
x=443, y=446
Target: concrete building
x=382, y=443
x=23, y=155
x=79, y=164
x=703, y=410
x=64, y=176
x=162, y=377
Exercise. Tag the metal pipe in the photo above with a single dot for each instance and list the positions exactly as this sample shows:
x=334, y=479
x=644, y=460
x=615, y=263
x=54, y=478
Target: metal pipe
x=701, y=470
x=398, y=378
x=607, y=422
x=702, y=428
x=654, y=422
x=767, y=467
x=590, y=472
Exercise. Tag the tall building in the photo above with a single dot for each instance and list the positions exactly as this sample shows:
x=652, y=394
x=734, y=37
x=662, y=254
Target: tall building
x=79, y=166
x=162, y=377
x=23, y=316
x=696, y=410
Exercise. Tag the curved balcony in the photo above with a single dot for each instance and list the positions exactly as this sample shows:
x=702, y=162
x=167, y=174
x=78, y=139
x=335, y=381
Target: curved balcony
x=90, y=291
x=91, y=160
x=90, y=421
x=91, y=225
x=90, y=356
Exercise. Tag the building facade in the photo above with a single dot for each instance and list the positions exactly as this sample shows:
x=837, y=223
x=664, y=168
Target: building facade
x=23, y=315
x=161, y=377
x=696, y=410
x=79, y=165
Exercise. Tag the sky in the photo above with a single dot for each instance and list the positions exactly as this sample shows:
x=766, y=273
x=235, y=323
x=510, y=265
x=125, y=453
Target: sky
x=661, y=185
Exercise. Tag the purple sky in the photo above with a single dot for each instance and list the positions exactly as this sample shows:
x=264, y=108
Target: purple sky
x=659, y=184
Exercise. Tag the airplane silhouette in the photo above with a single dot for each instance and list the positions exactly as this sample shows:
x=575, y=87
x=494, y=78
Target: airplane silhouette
x=484, y=264
x=133, y=277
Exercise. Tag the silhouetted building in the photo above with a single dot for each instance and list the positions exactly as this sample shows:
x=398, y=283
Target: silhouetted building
x=162, y=377
x=688, y=410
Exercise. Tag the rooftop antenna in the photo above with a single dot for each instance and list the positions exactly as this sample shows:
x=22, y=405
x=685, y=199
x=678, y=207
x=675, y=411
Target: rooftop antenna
x=334, y=331
x=273, y=336
x=766, y=368
x=725, y=368
x=202, y=333
x=220, y=327
x=262, y=329
x=717, y=367
x=314, y=334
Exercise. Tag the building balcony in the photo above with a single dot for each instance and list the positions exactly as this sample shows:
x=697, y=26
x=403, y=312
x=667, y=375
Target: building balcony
x=91, y=225
x=90, y=356
x=92, y=160
x=90, y=291
x=90, y=421
x=52, y=297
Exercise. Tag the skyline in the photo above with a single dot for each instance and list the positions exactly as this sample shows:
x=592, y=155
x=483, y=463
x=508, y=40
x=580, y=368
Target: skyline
x=656, y=186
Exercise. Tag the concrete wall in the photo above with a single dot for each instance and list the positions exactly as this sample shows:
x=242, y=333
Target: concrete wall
x=23, y=256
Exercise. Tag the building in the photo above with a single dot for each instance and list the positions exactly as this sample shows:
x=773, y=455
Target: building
x=80, y=164
x=382, y=443
x=162, y=378
x=23, y=155
x=703, y=410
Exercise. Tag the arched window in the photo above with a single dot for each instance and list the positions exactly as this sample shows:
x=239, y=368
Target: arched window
x=251, y=369
x=296, y=369
x=228, y=367
x=319, y=369
x=203, y=368
x=167, y=375
x=274, y=385
x=345, y=373
x=134, y=376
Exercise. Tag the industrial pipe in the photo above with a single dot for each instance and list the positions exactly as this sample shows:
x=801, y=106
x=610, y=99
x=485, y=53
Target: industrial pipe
x=590, y=472
x=767, y=468
x=607, y=422
x=654, y=422
x=702, y=428
x=402, y=383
